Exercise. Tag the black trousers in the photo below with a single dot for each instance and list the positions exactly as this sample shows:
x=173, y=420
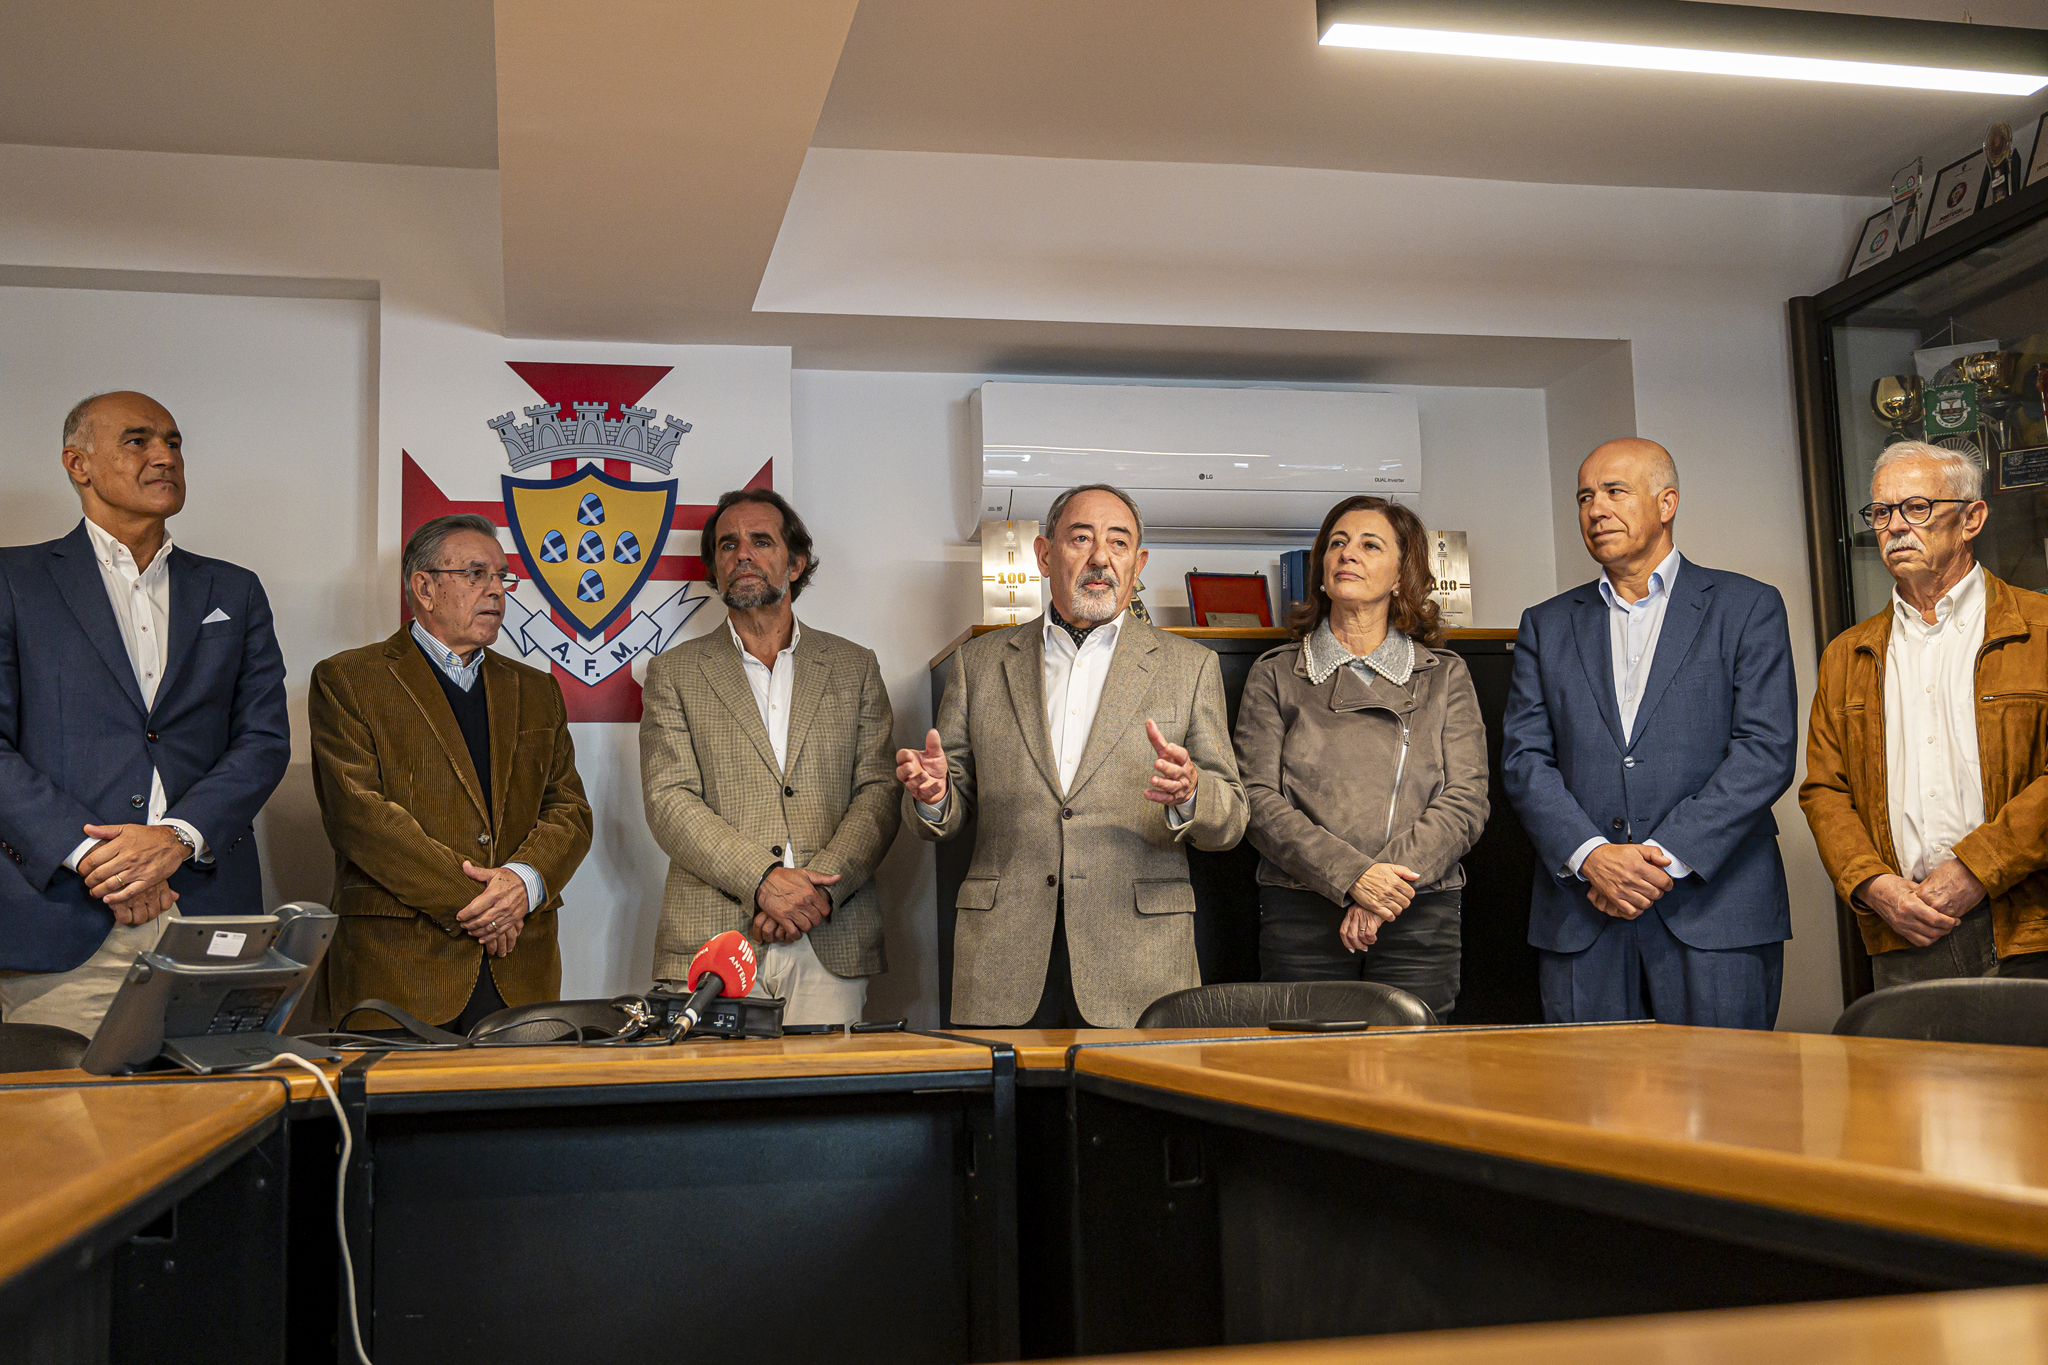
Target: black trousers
x=1417, y=953
x=1056, y=1007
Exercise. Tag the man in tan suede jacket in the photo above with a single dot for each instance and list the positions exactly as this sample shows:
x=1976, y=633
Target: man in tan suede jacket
x=447, y=783
x=1927, y=753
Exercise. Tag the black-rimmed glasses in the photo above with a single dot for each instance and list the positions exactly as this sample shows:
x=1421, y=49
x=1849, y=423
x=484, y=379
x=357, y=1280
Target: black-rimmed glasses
x=1916, y=511
x=476, y=578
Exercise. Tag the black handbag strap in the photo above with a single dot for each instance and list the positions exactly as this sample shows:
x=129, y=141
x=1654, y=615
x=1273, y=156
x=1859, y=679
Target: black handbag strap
x=413, y=1025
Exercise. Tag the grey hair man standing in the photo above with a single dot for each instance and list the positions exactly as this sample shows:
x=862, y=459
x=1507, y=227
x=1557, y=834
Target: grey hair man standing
x=1091, y=745
x=1926, y=775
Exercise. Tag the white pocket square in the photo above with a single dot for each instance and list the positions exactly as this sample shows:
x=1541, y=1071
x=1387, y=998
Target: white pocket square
x=215, y=615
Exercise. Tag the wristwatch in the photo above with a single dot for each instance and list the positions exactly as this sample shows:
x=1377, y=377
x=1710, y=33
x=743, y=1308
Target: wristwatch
x=191, y=849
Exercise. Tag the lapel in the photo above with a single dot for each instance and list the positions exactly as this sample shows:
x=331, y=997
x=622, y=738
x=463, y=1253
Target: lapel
x=191, y=592
x=416, y=676
x=500, y=682
x=806, y=693
x=1024, y=667
x=1130, y=678
x=727, y=676
x=1589, y=624
x=1683, y=615
x=77, y=575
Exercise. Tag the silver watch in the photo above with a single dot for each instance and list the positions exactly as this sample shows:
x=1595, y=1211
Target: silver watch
x=191, y=849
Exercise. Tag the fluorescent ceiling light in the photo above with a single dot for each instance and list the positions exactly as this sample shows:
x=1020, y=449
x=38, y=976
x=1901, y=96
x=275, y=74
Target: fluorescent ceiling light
x=1450, y=43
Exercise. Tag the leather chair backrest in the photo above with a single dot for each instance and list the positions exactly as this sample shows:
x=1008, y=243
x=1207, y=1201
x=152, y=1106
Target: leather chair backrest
x=1971, y=1010
x=1254, y=1004
x=564, y=1021
x=39, y=1047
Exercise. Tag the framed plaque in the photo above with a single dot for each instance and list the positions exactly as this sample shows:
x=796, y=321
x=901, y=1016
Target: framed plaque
x=2016, y=469
x=2037, y=166
x=1450, y=563
x=1229, y=599
x=1955, y=192
x=1011, y=589
x=1875, y=243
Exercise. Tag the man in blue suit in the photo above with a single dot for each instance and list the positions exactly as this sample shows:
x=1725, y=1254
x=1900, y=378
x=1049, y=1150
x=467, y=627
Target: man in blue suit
x=1651, y=723
x=142, y=725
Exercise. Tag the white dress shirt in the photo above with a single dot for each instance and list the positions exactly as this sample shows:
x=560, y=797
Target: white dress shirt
x=1073, y=676
x=1934, y=782
x=1632, y=631
x=141, y=598
x=464, y=676
x=772, y=690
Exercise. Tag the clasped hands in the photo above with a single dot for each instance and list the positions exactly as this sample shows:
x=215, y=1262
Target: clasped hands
x=1623, y=880
x=790, y=903
x=1379, y=895
x=497, y=914
x=1174, y=774
x=130, y=869
x=1923, y=911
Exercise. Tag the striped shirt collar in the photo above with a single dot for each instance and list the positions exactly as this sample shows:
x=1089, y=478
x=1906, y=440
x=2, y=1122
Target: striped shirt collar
x=463, y=675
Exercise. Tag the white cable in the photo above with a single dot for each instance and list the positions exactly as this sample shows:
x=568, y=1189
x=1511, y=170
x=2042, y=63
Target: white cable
x=348, y=1264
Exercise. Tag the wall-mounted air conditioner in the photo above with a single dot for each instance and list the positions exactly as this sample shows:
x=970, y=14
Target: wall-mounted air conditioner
x=1203, y=464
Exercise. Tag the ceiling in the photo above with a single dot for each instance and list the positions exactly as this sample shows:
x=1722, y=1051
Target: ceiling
x=697, y=114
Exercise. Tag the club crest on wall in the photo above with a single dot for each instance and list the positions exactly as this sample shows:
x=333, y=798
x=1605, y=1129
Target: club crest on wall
x=600, y=582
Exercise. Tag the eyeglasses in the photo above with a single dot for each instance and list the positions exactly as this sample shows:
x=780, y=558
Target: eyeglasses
x=477, y=577
x=1916, y=511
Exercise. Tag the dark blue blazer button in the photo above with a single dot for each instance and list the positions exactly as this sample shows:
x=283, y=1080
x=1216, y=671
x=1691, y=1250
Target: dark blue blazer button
x=136, y=802
x=1620, y=823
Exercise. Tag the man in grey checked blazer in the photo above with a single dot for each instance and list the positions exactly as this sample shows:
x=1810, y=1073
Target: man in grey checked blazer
x=1088, y=746
x=764, y=763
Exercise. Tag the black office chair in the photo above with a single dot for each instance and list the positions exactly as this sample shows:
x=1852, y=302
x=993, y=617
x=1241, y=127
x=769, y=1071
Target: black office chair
x=1254, y=1004
x=1971, y=1010
x=39, y=1047
x=552, y=1021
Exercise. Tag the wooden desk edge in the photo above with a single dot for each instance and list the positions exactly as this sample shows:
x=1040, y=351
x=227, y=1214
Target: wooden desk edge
x=2013, y=1220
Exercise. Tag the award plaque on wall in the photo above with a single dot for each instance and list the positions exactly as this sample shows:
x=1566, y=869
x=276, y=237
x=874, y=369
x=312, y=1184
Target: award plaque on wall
x=1229, y=599
x=2017, y=469
x=1875, y=243
x=1011, y=590
x=1955, y=193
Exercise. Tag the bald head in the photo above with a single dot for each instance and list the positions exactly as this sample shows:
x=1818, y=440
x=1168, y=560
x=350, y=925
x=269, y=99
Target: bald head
x=1628, y=498
x=124, y=455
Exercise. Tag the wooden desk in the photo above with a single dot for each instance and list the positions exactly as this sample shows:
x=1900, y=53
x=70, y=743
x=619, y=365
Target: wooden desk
x=1042, y=1052
x=1988, y=1327
x=559, y=1203
x=1400, y=1181
x=143, y=1221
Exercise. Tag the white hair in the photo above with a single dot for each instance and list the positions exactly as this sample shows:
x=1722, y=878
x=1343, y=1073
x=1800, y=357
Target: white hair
x=1964, y=472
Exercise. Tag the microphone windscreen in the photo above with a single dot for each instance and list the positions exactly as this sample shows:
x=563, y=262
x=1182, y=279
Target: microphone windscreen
x=731, y=957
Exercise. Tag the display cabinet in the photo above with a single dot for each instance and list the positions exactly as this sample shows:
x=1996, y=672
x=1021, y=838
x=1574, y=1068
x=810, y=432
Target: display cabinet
x=1947, y=342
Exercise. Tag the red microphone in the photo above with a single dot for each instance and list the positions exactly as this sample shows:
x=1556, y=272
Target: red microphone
x=723, y=966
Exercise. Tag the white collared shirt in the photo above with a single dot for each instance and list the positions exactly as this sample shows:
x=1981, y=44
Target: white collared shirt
x=464, y=676
x=141, y=598
x=1632, y=631
x=773, y=688
x=1934, y=782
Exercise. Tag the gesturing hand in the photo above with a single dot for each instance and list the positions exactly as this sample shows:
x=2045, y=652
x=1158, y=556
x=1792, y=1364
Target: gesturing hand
x=793, y=902
x=923, y=773
x=128, y=859
x=1174, y=773
x=1626, y=878
x=1899, y=903
x=498, y=913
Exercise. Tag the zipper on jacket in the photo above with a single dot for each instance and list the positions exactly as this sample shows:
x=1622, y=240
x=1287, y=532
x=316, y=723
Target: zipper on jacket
x=1395, y=799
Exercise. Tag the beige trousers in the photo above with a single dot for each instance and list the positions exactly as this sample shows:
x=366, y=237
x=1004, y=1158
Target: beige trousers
x=815, y=995
x=78, y=999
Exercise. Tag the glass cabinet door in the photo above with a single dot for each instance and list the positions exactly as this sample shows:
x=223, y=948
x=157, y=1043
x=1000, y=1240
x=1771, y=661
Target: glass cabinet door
x=1958, y=357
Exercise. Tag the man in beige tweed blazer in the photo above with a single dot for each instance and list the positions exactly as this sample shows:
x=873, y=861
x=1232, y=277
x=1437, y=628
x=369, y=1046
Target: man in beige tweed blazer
x=1087, y=746
x=764, y=762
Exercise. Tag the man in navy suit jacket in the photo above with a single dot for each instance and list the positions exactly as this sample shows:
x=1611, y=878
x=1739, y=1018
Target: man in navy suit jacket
x=1651, y=723
x=142, y=725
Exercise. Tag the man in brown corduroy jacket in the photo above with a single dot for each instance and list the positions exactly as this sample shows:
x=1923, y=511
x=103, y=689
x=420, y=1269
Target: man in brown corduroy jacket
x=447, y=783
x=1927, y=753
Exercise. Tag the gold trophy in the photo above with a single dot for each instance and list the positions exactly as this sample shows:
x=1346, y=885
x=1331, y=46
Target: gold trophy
x=1996, y=375
x=1896, y=401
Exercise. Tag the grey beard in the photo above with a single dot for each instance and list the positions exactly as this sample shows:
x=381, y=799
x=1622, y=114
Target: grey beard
x=757, y=593
x=1095, y=602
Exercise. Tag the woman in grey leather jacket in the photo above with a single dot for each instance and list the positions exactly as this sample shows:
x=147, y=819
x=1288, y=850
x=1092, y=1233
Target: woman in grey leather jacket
x=1364, y=763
